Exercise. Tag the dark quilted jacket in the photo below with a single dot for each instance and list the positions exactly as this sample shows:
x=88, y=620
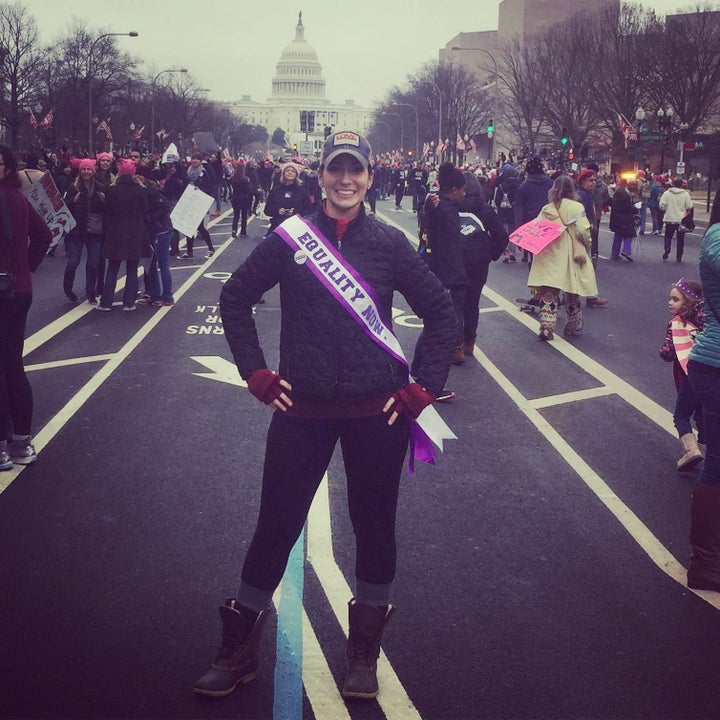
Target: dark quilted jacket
x=324, y=353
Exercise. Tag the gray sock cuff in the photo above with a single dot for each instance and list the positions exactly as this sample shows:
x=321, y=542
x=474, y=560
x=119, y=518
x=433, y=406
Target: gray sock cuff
x=254, y=598
x=372, y=594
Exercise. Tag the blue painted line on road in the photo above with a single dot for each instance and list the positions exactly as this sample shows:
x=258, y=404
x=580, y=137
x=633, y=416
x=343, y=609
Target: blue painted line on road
x=288, y=665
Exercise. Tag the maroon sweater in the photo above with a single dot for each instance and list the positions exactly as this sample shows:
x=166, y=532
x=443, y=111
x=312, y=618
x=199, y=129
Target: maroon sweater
x=19, y=221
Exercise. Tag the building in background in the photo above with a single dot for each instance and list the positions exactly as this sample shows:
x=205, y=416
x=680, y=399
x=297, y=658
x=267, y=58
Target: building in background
x=298, y=104
x=481, y=51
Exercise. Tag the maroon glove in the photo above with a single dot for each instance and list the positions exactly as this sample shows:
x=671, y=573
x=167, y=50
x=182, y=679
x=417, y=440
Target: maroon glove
x=411, y=400
x=265, y=386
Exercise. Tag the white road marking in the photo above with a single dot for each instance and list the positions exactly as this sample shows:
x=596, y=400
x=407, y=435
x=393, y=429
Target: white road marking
x=68, y=362
x=568, y=397
x=642, y=535
x=393, y=699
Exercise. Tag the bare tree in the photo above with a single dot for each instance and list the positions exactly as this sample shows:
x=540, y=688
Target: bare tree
x=567, y=78
x=20, y=61
x=687, y=64
x=620, y=49
x=520, y=75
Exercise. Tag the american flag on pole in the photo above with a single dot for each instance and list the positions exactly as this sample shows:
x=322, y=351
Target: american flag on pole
x=48, y=120
x=138, y=133
x=473, y=144
x=459, y=143
x=104, y=127
x=426, y=149
x=440, y=147
x=627, y=129
x=33, y=120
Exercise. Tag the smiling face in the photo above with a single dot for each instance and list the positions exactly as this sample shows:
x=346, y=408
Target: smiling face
x=345, y=181
x=105, y=163
x=289, y=175
x=86, y=173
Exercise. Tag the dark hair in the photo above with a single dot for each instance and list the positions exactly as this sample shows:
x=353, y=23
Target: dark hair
x=11, y=166
x=449, y=177
x=714, y=212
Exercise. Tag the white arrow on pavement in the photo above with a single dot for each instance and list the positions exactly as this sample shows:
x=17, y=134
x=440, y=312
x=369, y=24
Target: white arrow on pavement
x=221, y=369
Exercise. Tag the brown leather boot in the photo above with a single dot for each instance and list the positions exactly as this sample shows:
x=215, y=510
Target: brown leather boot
x=363, y=649
x=238, y=659
x=704, y=570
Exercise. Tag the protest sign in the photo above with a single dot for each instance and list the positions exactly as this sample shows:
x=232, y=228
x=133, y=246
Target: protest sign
x=190, y=210
x=44, y=196
x=536, y=235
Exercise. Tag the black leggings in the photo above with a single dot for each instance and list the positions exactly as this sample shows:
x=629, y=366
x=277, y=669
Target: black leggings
x=16, y=398
x=202, y=231
x=297, y=454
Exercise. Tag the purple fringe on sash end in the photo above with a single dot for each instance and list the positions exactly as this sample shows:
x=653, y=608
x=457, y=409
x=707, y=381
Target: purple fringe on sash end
x=421, y=447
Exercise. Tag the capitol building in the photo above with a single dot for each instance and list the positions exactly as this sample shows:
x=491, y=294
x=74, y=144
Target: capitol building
x=298, y=104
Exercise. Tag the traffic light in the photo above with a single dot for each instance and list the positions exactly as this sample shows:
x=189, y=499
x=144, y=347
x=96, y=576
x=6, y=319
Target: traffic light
x=571, y=154
x=295, y=147
x=328, y=131
x=564, y=139
x=490, y=127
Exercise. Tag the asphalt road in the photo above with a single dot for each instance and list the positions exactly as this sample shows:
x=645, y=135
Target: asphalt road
x=541, y=561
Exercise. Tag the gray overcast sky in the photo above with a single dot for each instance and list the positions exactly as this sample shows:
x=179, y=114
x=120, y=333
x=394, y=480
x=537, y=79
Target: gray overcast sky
x=232, y=46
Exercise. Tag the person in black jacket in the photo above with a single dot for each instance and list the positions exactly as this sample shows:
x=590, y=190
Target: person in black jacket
x=86, y=201
x=623, y=222
x=157, y=269
x=334, y=384
x=504, y=195
x=485, y=239
x=201, y=176
x=287, y=197
x=241, y=199
x=445, y=245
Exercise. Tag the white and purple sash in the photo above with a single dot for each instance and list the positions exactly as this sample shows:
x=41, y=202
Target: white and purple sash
x=346, y=285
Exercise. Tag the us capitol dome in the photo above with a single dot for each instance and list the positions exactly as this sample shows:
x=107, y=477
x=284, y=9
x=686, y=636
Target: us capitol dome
x=298, y=104
x=299, y=72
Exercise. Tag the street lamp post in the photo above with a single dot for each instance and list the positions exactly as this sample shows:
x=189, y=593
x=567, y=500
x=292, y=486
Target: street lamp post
x=417, y=127
x=152, y=104
x=402, y=129
x=132, y=33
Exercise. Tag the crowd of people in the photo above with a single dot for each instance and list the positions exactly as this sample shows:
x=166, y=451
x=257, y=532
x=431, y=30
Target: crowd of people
x=339, y=378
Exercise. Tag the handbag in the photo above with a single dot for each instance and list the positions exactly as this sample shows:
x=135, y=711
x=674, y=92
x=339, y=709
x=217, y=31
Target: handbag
x=7, y=285
x=688, y=220
x=94, y=224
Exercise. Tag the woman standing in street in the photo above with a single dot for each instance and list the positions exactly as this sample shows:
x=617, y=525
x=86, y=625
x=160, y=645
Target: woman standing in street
x=704, y=377
x=86, y=201
x=337, y=381
x=563, y=265
x=18, y=259
x=287, y=197
x=623, y=215
x=240, y=199
x=126, y=236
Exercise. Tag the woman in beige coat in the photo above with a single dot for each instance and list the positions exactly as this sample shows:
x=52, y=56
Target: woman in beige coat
x=563, y=265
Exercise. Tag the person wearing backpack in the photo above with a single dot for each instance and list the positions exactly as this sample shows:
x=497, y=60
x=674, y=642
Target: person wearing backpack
x=504, y=194
x=485, y=239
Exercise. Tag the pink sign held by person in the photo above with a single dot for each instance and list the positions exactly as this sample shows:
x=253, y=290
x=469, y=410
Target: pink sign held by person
x=536, y=235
